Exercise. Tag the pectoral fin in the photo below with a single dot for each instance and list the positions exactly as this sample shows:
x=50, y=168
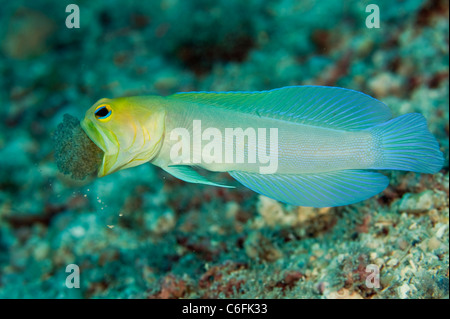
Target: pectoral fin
x=189, y=175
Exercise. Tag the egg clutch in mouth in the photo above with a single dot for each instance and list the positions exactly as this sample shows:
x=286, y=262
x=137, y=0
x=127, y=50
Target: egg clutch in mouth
x=75, y=153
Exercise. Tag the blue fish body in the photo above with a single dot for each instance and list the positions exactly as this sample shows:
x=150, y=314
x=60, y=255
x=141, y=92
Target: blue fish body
x=330, y=142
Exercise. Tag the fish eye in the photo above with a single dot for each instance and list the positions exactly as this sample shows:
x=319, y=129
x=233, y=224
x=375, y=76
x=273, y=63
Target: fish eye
x=102, y=112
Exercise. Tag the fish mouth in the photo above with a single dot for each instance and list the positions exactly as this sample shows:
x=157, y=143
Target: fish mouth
x=107, y=142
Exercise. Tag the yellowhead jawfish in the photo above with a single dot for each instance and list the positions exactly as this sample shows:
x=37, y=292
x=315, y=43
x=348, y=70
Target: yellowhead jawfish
x=303, y=145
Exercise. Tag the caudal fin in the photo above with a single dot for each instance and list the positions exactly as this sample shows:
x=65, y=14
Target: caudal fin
x=407, y=145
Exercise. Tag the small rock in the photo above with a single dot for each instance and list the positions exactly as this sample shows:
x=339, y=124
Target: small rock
x=433, y=243
x=385, y=84
x=403, y=291
x=344, y=294
x=419, y=203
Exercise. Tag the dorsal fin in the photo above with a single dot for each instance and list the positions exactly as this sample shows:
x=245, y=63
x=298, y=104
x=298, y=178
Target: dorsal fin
x=325, y=106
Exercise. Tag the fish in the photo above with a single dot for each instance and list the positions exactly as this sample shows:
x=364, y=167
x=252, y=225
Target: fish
x=314, y=146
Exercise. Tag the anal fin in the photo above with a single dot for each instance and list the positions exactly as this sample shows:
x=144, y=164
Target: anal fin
x=316, y=190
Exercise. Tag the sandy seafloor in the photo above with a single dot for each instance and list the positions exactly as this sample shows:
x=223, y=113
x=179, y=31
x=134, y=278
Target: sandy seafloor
x=141, y=233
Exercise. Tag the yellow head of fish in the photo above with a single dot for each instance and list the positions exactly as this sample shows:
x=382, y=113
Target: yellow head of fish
x=129, y=131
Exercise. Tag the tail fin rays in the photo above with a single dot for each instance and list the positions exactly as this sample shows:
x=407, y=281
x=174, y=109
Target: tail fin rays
x=407, y=145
